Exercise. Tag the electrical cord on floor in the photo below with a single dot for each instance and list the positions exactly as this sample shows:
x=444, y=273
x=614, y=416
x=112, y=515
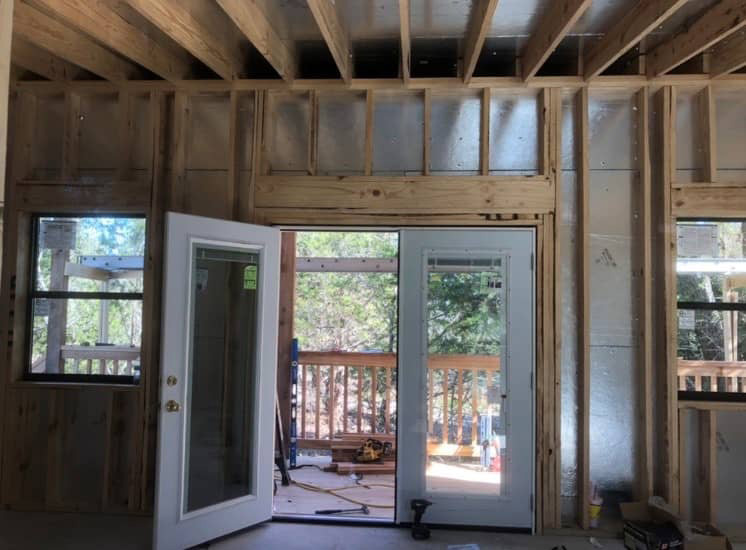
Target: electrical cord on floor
x=316, y=489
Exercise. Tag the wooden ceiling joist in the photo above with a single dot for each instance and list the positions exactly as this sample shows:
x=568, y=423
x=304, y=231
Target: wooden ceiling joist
x=554, y=25
x=729, y=55
x=717, y=23
x=48, y=33
x=476, y=32
x=406, y=44
x=255, y=25
x=100, y=21
x=191, y=24
x=334, y=34
x=41, y=62
x=634, y=25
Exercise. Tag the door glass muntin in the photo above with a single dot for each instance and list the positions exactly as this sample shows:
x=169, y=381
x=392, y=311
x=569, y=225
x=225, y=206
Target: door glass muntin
x=489, y=269
x=217, y=251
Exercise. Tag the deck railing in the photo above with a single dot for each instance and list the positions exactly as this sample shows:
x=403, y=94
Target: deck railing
x=692, y=374
x=113, y=360
x=355, y=393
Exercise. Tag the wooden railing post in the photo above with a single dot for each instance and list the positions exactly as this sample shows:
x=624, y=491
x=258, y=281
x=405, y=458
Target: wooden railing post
x=344, y=399
x=373, y=392
x=359, y=399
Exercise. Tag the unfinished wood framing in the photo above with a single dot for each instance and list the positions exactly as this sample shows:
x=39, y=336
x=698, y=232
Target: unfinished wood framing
x=729, y=55
x=633, y=26
x=405, y=40
x=369, y=111
x=285, y=330
x=48, y=33
x=6, y=32
x=334, y=34
x=668, y=234
x=584, y=313
x=555, y=23
x=253, y=22
x=199, y=29
x=100, y=21
x=719, y=22
x=645, y=487
x=476, y=32
x=709, y=133
x=41, y=62
x=484, y=134
x=71, y=143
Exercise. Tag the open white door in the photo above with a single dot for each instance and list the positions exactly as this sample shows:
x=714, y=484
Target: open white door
x=217, y=388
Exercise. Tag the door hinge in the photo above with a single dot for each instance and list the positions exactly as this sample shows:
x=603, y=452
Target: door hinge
x=532, y=261
x=532, y=502
x=531, y=381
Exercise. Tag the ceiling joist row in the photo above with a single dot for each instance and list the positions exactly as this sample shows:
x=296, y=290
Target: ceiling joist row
x=180, y=40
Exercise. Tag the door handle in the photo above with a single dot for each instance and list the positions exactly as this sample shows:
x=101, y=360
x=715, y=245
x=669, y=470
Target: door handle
x=172, y=406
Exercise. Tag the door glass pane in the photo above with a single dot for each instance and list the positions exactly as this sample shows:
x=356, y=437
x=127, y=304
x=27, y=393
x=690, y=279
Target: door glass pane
x=465, y=331
x=219, y=451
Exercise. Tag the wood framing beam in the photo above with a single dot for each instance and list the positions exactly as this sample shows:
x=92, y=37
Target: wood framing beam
x=728, y=55
x=100, y=21
x=250, y=18
x=708, y=201
x=285, y=329
x=717, y=23
x=645, y=486
x=6, y=32
x=635, y=24
x=708, y=133
x=433, y=194
x=48, y=33
x=406, y=39
x=476, y=32
x=584, y=302
x=667, y=232
x=31, y=58
x=554, y=25
x=335, y=36
x=200, y=28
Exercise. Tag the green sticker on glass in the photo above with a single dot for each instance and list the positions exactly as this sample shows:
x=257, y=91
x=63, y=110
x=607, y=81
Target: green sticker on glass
x=249, y=277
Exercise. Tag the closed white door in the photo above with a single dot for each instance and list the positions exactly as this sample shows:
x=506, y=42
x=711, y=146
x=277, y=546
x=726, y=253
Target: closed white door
x=217, y=389
x=466, y=363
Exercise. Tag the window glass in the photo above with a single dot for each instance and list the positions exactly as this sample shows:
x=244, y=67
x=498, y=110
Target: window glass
x=86, y=300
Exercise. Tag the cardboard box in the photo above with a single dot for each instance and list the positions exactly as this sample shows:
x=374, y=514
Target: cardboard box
x=706, y=537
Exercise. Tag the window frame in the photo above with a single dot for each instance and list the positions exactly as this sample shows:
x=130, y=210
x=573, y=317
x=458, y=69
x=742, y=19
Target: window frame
x=34, y=294
x=713, y=396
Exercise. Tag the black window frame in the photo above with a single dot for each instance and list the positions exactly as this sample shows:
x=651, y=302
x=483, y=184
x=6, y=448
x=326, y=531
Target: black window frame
x=688, y=395
x=34, y=293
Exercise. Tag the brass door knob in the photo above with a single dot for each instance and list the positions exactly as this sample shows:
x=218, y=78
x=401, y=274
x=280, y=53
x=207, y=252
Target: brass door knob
x=172, y=406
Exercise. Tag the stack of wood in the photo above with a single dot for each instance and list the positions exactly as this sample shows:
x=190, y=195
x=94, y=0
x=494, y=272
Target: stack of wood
x=344, y=448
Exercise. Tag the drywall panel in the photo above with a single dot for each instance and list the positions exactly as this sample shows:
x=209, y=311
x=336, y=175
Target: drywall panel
x=730, y=107
x=398, y=123
x=341, y=148
x=289, y=123
x=514, y=133
x=455, y=133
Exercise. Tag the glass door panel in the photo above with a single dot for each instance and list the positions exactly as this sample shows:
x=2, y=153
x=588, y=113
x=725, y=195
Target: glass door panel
x=222, y=371
x=465, y=332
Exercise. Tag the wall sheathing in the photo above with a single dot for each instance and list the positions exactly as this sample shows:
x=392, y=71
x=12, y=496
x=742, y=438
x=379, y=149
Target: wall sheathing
x=205, y=162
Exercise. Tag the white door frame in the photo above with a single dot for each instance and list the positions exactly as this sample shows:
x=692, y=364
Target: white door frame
x=173, y=527
x=518, y=244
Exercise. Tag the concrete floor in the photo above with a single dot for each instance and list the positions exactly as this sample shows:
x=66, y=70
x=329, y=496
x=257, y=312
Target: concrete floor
x=50, y=531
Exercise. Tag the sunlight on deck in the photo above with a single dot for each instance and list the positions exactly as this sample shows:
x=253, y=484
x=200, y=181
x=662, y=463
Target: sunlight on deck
x=453, y=478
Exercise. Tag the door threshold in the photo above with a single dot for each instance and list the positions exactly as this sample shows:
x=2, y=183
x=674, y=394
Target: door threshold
x=334, y=520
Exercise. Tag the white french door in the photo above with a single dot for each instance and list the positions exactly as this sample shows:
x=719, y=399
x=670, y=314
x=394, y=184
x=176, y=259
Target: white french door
x=217, y=389
x=466, y=363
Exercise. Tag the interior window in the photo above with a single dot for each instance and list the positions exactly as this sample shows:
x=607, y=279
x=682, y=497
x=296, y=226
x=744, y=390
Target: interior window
x=86, y=298
x=711, y=294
